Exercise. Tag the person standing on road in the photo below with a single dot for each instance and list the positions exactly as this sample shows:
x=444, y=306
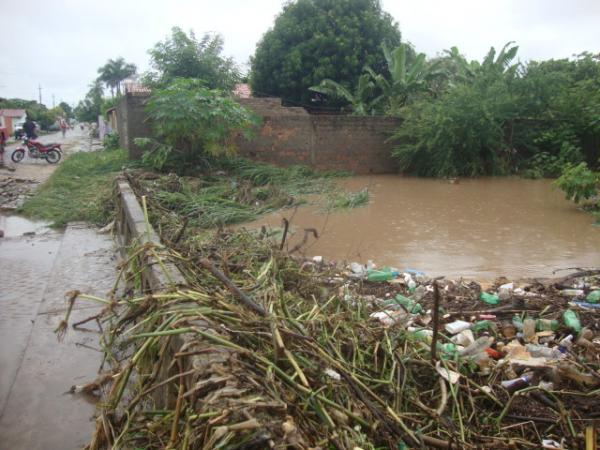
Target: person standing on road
x=63, y=126
x=29, y=128
x=2, y=144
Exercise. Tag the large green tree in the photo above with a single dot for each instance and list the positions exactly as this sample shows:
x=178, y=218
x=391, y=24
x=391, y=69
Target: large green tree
x=313, y=40
x=88, y=109
x=115, y=71
x=184, y=56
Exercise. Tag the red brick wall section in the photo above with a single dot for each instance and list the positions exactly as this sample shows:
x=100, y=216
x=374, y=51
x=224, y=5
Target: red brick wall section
x=325, y=142
x=290, y=136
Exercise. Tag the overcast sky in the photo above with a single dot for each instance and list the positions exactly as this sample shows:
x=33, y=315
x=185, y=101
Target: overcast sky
x=60, y=44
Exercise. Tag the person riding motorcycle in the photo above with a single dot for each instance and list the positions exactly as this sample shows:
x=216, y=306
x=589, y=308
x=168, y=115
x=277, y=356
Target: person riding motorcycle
x=29, y=128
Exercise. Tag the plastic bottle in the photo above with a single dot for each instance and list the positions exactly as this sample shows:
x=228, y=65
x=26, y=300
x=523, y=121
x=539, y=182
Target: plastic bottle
x=421, y=334
x=490, y=299
x=546, y=352
x=481, y=325
x=571, y=320
x=516, y=383
x=381, y=275
x=566, y=343
x=593, y=297
x=529, y=330
x=419, y=293
x=546, y=325
x=517, y=322
x=464, y=338
x=572, y=292
x=410, y=305
x=477, y=347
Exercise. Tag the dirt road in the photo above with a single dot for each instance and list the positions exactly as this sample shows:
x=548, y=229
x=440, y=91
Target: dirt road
x=29, y=173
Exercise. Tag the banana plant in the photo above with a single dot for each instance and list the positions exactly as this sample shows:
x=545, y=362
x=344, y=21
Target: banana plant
x=405, y=80
x=361, y=100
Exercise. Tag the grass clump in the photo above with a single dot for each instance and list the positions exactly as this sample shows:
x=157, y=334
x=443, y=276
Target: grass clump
x=234, y=191
x=80, y=189
x=348, y=200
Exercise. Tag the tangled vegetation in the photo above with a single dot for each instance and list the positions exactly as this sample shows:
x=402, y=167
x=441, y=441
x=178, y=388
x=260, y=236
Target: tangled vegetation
x=264, y=351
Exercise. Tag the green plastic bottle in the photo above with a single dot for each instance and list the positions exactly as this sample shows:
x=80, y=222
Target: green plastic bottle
x=571, y=320
x=447, y=350
x=481, y=325
x=593, y=297
x=490, y=299
x=381, y=275
x=410, y=305
x=546, y=325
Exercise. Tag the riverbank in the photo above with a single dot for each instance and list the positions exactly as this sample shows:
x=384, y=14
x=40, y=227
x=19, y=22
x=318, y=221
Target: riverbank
x=276, y=351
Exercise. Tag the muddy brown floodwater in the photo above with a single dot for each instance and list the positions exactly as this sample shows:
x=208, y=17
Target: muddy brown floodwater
x=479, y=228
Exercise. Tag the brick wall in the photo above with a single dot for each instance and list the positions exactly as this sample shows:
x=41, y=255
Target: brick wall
x=132, y=122
x=290, y=136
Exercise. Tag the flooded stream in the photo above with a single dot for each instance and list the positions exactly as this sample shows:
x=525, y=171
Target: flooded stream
x=479, y=228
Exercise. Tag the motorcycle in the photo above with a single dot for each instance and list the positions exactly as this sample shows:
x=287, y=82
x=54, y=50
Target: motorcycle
x=36, y=150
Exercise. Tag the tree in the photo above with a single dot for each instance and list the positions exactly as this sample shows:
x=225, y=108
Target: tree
x=67, y=109
x=468, y=130
x=313, y=40
x=184, y=56
x=407, y=76
x=190, y=123
x=115, y=71
x=88, y=109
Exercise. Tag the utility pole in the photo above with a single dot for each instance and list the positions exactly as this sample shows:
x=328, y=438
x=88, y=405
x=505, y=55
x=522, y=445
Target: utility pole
x=53, y=104
x=40, y=91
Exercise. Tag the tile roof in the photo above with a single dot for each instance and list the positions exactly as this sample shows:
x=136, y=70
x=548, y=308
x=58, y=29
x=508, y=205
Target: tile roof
x=242, y=90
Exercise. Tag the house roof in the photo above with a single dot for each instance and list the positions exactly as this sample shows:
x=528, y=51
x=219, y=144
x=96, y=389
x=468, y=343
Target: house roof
x=12, y=112
x=242, y=90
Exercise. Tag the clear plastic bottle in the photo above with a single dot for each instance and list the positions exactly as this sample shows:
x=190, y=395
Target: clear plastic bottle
x=529, y=330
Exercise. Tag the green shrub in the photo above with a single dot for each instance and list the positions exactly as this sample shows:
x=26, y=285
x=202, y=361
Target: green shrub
x=578, y=182
x=111, y=141
x=192, y=124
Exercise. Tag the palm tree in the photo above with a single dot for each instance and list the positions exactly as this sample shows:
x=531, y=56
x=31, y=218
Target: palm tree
x=362, y=101
x=113, y=72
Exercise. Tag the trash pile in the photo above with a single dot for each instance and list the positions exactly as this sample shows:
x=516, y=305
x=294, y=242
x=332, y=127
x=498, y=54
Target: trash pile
x=344, y=357
x=14, y=191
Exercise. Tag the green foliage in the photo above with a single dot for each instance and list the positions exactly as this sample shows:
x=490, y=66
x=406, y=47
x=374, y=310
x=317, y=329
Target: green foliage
x=578, y=182
x=460, y=134
x=190, y=123
x=361, y=100
x=546, y=165
x=115, y=71
x=66, y=108
x=37, y=112
x=497, y=117
x=406, y=78
x=348, y=200
x=80, y=189
x=184, y=56
x=314, y=40
x=111, y=141
x=88, y=109
x=241, y=192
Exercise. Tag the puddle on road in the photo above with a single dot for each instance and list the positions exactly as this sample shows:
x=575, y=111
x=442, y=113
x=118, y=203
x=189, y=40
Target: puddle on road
x=14, y=226
x=479, y=228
